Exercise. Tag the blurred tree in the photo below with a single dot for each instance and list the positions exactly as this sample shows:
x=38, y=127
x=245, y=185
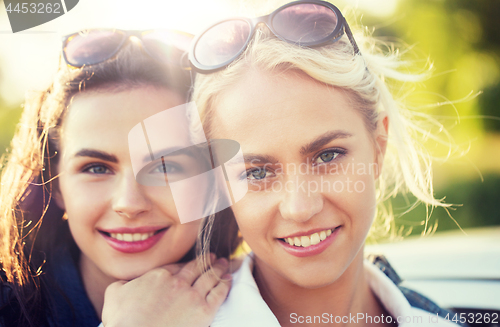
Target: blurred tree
x=488, y=11
x=489, y=102
x=9, y=117
x=487, y=40
x=462, y=39
x=475, y=205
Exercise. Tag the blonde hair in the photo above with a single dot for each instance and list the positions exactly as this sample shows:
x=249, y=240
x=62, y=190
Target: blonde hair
x=366, y=78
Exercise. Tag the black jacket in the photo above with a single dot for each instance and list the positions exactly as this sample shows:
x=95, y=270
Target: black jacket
x=66, y=303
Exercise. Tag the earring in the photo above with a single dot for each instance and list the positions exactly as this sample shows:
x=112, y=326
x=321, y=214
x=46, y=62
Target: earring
x=65, y=216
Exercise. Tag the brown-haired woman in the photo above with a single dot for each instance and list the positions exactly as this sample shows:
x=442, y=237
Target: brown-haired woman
x=73, y=219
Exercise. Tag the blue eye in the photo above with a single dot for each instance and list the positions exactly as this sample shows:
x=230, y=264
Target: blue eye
x=257, y=173
x=97, y=169
x=328, y=156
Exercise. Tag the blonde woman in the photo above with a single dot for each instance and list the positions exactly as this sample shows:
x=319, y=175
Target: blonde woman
x=325, y=143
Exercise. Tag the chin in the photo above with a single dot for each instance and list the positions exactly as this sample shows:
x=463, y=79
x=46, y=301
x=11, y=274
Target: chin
x=314, y=284
x=128, y=273
x=313, y=280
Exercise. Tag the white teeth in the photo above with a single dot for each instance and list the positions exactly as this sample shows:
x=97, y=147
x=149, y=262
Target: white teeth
x=127, y=237
x=306, y=241
x=312, y=239
x=315, y=239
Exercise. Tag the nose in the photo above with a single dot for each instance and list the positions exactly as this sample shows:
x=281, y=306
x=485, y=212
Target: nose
x=129, y=198
x=301, y=199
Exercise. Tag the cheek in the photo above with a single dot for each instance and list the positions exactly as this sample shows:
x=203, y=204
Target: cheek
x=83, y=217
x=361, y=204
x=183, y=238
x=189, y=233
x=352, y=190
x=365, y=205
x=255, y=214
x=85, y=196
x=85, y=203
x=161, y=197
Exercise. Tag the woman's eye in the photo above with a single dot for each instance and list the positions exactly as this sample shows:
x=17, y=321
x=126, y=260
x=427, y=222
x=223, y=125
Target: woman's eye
x=97, y=169
x=257, y=173
x=328, y=156
x=163, y=168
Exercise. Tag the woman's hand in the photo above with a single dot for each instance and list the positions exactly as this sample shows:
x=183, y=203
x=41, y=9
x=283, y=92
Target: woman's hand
x=172, y=295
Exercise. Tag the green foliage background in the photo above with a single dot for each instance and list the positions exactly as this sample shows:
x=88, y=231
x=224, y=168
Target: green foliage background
x=462, y=39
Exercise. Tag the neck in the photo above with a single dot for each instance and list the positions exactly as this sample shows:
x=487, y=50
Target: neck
x=95, y=283
x=350, y=294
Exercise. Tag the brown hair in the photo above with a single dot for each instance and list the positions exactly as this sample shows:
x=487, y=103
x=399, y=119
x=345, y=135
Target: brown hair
x=27, y=209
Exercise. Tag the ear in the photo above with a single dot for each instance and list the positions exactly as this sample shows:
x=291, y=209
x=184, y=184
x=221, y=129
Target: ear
x=57, y=195
x=381, y=135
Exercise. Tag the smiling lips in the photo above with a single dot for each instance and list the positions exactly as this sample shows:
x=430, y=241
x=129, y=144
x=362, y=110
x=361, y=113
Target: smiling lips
x=127, y=237
x=312, y=244
x=133, y=240
x=308, y=240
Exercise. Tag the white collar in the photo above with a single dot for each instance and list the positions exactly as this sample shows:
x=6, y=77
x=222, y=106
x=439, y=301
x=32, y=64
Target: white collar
x=245, y=307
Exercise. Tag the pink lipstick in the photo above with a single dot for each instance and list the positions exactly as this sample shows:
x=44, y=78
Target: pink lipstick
x=310, y=250
x=133, y=240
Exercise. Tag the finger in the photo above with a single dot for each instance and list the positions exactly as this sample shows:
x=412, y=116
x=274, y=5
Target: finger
x=173, y=268
x=219, y=293
x=190, y=272
x=212, y=277
x=113, y=287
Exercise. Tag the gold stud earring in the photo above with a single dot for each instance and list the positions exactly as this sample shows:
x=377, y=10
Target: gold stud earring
x=65, y=216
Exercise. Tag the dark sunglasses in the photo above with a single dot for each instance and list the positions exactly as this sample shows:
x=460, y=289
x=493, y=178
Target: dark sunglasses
x=93, y=46
x=310, y=23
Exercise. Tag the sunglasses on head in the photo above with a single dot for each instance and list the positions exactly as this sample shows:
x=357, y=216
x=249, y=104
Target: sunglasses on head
x=311, y=23
x=93, y=46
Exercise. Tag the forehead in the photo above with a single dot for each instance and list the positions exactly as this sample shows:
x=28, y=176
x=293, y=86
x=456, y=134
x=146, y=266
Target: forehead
x=104, y=119
x=286, y=108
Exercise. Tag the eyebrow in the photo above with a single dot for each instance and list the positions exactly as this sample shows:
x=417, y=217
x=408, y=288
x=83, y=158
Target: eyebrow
x=322, y=140
x=175, y=151
x=311, y=147
x=97, y=154
x=252, y=158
